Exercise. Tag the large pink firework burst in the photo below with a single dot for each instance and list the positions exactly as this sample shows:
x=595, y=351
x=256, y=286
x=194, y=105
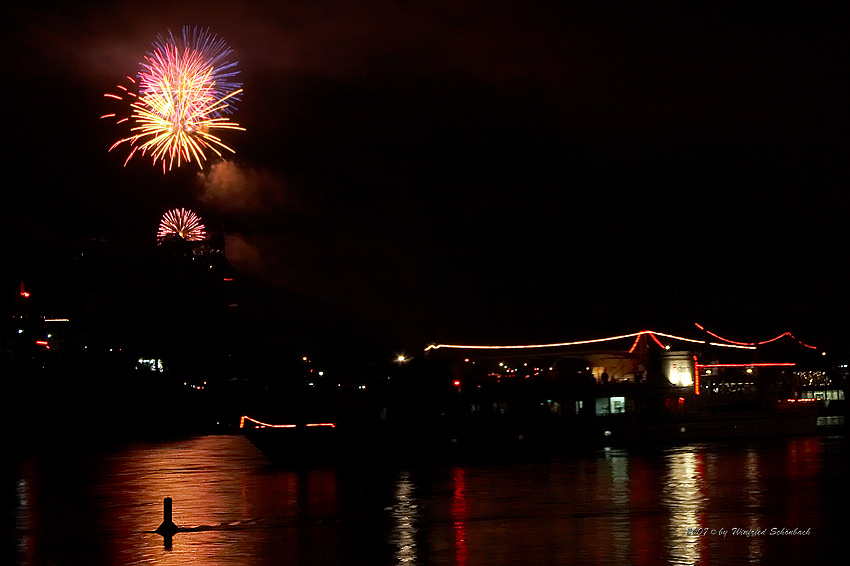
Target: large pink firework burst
x=179, y=99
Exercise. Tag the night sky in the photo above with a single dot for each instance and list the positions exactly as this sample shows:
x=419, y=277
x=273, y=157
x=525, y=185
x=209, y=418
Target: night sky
x=465, y=172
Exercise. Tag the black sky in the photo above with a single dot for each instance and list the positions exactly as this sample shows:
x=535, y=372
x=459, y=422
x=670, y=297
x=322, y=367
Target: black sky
x=487, y=172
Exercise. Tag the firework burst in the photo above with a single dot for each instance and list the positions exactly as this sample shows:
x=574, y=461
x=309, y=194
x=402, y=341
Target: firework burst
x=181, y=223
x=180, y=100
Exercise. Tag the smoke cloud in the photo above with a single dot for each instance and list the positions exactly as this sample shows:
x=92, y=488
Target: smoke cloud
x=232, y=188
x=242, y=255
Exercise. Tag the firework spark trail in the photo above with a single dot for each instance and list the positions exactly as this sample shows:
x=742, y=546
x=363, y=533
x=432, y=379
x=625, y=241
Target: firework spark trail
x=121, y=97
x=181, y=223
x=182, y=98
x=214, y=52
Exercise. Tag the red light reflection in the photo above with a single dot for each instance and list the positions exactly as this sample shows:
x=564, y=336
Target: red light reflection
x=459, y=515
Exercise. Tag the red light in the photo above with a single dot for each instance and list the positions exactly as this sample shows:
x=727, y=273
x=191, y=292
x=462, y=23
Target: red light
x=755, y=365
x=41, y=342
x=25, y=294
x=696, y=375
x=457, y=383
x=261, y=424
x=784, y=334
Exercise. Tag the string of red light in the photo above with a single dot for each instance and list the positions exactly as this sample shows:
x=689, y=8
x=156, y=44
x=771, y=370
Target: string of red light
x=637, y=335
x=701, y=327
x=261, y=424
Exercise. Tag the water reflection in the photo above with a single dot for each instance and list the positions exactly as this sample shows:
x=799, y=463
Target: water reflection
x=459, y=516
x=203, y=477
x=225, y=500
x=23, y=518
x=619, y=495
x=610, y=507
x=753, y=501
x=684, y=499
x=404, y=520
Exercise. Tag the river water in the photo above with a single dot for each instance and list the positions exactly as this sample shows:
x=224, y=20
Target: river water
x=612, y=506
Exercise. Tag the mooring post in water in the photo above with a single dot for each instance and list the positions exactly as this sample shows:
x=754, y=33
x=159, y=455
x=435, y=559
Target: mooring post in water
x=167, y=528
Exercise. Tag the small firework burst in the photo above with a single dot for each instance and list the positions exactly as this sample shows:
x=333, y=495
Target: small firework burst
x=181, y=223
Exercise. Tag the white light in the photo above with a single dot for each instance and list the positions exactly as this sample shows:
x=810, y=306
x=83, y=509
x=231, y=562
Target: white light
x=20, y=330
x=321, y=373
x=680, y=372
